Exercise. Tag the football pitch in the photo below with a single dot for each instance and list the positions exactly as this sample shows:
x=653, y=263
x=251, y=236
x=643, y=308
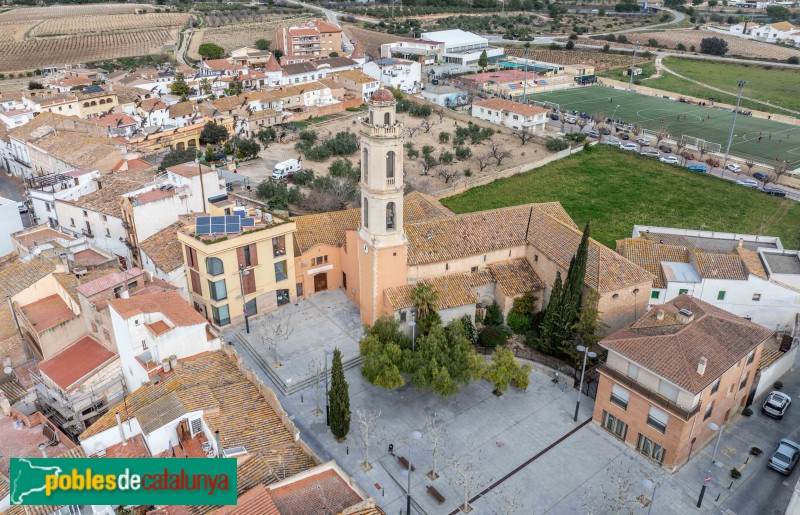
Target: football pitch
x=764, y=140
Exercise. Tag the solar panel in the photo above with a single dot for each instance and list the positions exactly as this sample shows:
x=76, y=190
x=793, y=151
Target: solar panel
x=202, y=225
x=92, y=89
x=217, y=225
x=248, y=222
x=233, y=224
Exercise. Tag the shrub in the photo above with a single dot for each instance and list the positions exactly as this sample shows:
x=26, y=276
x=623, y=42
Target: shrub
x=303, y=177
x=570, y=45
x=756, y=451
x=556, y=145
x=577, y=137
x=446, y=158
x=494, y=316
x=606, y=47
x=747, y=412
x=343, y=167
x=519, y=322
x=778, y=385
x=793, y=60
x=444, y=137
x=653, y=42
x=492, y=336
x=469, y=329
x=735, y=474
x=713, y=46
x=467, y=173
x=463, y=153
x=693, y=48
x=681, y=46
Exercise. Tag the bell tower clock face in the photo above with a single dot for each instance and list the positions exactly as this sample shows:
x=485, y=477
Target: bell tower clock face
x=366, y=249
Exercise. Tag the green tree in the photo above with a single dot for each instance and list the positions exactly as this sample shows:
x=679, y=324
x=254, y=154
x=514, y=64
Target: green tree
x=445, y=360
x=177, y=157
x=205, y=86
x=713, y=46
x=235, y=87
x=381, y=362
x=333, y=54
x=211, y=51
x=505, y=370
x=494, y=315
x=179, y=86
x=550, y=329
x=339, y=398
x=520, y=316
x=587, y=326
x=424, y=297
x=213, y=133
x=263, y=44
x=572, y=294
x=570, y=45
x=778, y=13
x=266, y=135
x=483, y=60
x=277, y=54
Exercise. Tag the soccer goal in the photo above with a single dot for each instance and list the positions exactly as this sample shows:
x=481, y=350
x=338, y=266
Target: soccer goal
x=548, y=105
x=699, y=143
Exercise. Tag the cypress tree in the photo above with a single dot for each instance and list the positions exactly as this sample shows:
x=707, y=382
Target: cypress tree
x=549, y=330
x=339, y=398
x=572, y=297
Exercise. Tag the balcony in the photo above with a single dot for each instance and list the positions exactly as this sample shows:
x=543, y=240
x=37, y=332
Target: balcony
x=647, y=393
x=390, y=181
x=380, y=131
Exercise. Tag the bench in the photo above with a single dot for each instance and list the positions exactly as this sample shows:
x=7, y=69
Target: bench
x=403, y=461
x=435, y=494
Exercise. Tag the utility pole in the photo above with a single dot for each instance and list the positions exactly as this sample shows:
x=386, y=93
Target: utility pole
x=741, y=83
x=633, y=66
x=525, y=75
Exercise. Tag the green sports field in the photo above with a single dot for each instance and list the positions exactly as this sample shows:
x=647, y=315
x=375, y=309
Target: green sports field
x=778, y=141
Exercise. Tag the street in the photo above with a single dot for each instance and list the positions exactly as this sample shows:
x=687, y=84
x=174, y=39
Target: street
x=12, y=188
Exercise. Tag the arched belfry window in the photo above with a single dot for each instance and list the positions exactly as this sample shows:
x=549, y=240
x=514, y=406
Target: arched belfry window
x=365, y=210
x=390, y=164
x=390, y=215
x=387, y=119
x=365, y=165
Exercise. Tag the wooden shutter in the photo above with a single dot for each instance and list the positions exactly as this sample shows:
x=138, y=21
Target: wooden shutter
x=240, y=256
x=253, y=255
x=249, y=283
x=196, y=288
x=191, y=257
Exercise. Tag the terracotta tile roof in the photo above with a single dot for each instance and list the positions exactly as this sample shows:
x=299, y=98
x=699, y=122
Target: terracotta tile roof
x=133, y=165
x=190, y=169
x=80, y=150
x=222, y=64
x=672, y=350
x=16, y=275
x=324, y=26
x=325, y=492
x=107, y=199
x=768, y=357
x=32, y=238
x=40, y=126
x=273, y=65
x=70, y=367
x=498, y=104
x=783, y=26
x=47, y=312
x=5, y=487
x=70, y=282
x=256, y=501
x=650, y=254
x=168, y=303
x=114, y=120
x=164, y=249
x=152, y=104
x=719, y=266
x=158, y=327
x=453, y=291
x=160, y=412
x=752, y=262
x=334, y=62
x=181, y=109
x=356, y=76
x=358, y=51
x=108, y=281
x=516, y=277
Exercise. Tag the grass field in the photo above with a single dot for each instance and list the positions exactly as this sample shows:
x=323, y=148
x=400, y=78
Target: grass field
x=615, y=190
x=648, y=69
x=655, y=113
x=776, y=85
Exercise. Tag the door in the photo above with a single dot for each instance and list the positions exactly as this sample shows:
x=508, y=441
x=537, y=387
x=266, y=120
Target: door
x=727, y=414
x=320, y=282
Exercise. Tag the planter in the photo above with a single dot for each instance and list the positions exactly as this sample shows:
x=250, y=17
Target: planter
x=747, y=412
x=173, y=360
x=165, y=365
x=735, y=474
x=756, y=451
x=778, y=385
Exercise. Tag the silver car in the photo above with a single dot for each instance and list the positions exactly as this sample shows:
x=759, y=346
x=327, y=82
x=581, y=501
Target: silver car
x=747, y=183
x=776, y=404
x=785, y=457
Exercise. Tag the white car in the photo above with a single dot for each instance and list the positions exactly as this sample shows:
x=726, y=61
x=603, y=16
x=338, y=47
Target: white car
x=670, y=160
x=570, y=119
x=747, y=183
x=733, y=167
x=643, y=142
x=610, y=140
x=650, y=152
x=629, y=146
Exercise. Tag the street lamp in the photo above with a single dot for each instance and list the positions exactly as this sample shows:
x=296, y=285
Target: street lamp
x=586, y=354
x=712, y=426
x=649, y=485
x=633, y=65
x=412, y=325
x=415, y=435
x=741, y=83
x=327, y=405
x=242, y=273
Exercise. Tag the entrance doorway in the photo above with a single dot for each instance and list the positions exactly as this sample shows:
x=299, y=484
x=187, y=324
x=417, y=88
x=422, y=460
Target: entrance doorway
x=320, y=282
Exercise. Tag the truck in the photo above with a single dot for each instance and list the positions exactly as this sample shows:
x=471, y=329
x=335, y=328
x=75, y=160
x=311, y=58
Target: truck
x=285, y=169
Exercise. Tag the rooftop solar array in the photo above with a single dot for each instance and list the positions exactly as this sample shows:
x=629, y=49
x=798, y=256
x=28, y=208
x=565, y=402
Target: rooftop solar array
x=222, y=224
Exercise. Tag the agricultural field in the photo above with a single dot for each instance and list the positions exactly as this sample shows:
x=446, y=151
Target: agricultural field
x=600, y=60
x=244, y=34
x=614, y=190
x=222, y=18
x=33, y=38
x=371, y=40
x=648, y=70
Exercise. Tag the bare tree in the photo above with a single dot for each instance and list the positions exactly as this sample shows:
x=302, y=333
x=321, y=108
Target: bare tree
x=412, y=131
x=498, y=152
x=581, y=123
x=366, y=421
x=680, y=145
x=435, y=434
x=768, y=178
x=440, y=115
x=446, y=174
x=599, y=119
x=426, y=126
x=330, y=194
x=703, y=150
x=315, y=370
x=780, y=169
x=661, y=134
x=749, y=164
x=636, y=130
x=523, y=135
x=275, y=328
x=467, y=473
x=484, y=162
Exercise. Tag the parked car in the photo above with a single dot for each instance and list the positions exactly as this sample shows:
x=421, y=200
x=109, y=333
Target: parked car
x=285, y=169
x=785, y=457
x=698, y=168
x=593, y=134
x=554, y=116
x=687, y=155
x=775, y=192
x=650, y=152
x=22, y=206
x=713, y=162
x=733, y=167
x=665, y=148
x=670, y=160
x=643, y=142
x=610, y=140
x=747, y=183
x=629, y=146
x=760, y=176
x=570, y=119
x=776, y=404
x=625, y=136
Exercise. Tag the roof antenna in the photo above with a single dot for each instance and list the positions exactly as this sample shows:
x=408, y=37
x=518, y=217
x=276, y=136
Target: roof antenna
x=528, y=227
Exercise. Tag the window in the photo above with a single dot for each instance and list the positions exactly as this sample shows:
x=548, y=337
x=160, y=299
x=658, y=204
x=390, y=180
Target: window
x=281, y=271
x=743, y=382
x=709, y=410
x=344, y=281
x=715, y=388
x=132, y=285
x=196, y=425
x=389, y=163
x=614, y=425
x=756, y=297
x=278, y=246
x=633, y=371
x=72, y=222
x=191, y=257
x=650, y=449
x=319, y=260
x=282, y=296
x=85, y=214
x=387, y=119
x=108, y=232
x=682, y=291
x=247, y=255
x=365, y=209
x=195, y=280
x=105, y=218
x=390, y=215
x=473, y=269
x=214, y=266
x=657, y=419
x=220, y=315
x=751, y=357
x=655, y=294
x=721, y=295
x=365, y=166
x=217, y=290
x=250, y=307
x=620, y=396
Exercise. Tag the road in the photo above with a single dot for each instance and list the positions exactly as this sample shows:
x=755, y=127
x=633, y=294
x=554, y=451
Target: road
x=12, y=188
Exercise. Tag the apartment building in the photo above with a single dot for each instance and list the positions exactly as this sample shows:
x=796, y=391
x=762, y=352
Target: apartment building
x=681, y=366
x=317, y=38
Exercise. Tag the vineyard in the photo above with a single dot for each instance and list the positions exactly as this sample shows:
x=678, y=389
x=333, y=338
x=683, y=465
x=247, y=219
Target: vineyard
x=222, y=18
x=108, y=23
x=600, y=60
x=234, y=36
x=32, y=14
x=370, y=39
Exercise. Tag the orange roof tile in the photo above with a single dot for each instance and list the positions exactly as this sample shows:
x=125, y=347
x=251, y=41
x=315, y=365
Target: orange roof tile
x=499, y=104
x=70, y=367
x=168, y=303
x=324, y=492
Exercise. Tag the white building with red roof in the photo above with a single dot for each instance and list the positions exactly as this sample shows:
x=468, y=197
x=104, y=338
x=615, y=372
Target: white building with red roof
x=513, y=115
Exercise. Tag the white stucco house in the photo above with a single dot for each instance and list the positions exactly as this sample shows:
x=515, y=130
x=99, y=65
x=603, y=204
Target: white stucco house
x=511, y=114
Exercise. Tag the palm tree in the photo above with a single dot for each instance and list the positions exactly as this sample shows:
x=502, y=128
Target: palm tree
x=424, y=297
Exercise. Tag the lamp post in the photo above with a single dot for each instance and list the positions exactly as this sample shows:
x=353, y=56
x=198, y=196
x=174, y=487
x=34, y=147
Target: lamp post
x=327, y=405
x=649, y=485
x=712, y=426
x=615, y=113
x=633, y=65
x=586, y=354
x=415, y=435
x=412, y=325
x=242, y=273
x=741, y=83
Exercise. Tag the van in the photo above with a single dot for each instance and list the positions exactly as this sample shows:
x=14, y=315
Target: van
x=285, y=169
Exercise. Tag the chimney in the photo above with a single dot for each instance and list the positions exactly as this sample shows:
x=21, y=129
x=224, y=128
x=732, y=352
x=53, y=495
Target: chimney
x=741, y=243
x=701, y=366
x=685, y=316
x=121, y=431
x=660, y=314
x=219, y=443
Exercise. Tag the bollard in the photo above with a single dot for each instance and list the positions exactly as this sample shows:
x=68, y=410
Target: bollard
x=301, y=398
x=730, y=485
x=748, y=459
x=348, y=450
x=718, y=496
